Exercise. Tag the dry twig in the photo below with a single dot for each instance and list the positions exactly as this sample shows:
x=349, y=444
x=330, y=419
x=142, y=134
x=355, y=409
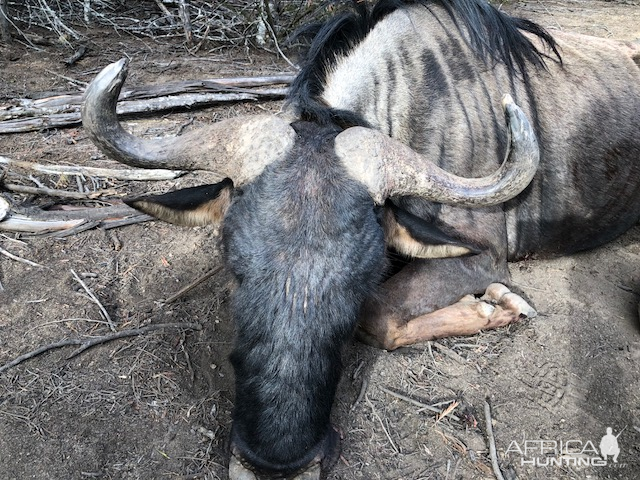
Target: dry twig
x=363, y=391
x=19, y=259
x=58, y=25
x=236, y=22
x=104, y=313
x=450, y=353
x=52, y=192
x=61, y=223
x=448, y=410
x=164, y=10
x=492, y=441
x=384, y=428
x=192, y=285
x=423, y=406
x=455, y=442
x=87, y=343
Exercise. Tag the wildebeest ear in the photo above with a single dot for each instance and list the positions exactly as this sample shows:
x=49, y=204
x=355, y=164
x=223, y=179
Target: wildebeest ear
x=417, y=238
x=190, y=207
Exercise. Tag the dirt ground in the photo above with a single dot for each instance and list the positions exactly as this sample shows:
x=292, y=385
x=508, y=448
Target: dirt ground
x=158, y=405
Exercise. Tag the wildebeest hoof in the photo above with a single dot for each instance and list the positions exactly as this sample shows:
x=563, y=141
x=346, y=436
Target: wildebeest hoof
x=499, y=294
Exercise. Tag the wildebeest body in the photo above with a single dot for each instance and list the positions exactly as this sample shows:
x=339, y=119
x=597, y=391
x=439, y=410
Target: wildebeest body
x=305, y=234
x=428, y=89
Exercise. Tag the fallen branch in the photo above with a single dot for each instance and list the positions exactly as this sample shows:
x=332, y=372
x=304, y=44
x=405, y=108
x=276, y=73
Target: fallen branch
x=154, y=96
x=35, y=124
x=64, y=109
x=62, y=223
x=186, y=101
x=423, y=406
x=52, y=192
x=58, y=25
x=115, y=173
x=83, y=227
x=192, y=285
x=103, y=311
x=165, y=11
x=384, y=428
x=19, y=224
x=19, y=259
x=492, y=441
x=207, y=85
x=70, y=212
x=93, y=341
x=109, y=224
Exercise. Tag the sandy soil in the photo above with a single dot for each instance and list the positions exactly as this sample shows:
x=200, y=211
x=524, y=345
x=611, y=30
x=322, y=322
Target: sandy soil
x=158, y=405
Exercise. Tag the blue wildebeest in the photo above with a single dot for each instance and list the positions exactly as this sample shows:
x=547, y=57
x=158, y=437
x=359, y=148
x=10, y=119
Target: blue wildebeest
x=392, y=143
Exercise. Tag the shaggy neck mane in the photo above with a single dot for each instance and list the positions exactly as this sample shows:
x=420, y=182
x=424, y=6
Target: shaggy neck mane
x=493, y=35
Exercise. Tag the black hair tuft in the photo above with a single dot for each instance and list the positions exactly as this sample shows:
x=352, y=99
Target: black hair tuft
x=493, y=34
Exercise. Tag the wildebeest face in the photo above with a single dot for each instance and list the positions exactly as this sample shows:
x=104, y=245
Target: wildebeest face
x=306, y=246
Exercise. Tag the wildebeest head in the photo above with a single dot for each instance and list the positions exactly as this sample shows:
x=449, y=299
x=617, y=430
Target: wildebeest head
x=303, y=235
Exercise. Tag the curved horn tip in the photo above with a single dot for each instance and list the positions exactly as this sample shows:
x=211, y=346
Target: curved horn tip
x=506, y=101
x=517, y=121
x=113, y=74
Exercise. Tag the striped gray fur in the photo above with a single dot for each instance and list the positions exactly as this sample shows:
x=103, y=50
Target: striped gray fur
x=415, y=78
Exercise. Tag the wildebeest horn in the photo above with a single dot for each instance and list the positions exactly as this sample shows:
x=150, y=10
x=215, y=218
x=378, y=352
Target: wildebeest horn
x=390, y=168
x=238, y=148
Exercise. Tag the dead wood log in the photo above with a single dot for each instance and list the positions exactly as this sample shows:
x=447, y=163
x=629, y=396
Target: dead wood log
x=70, y=101
x=115, y=173
x=33, y=120
x=18, y=224
x=62, y=223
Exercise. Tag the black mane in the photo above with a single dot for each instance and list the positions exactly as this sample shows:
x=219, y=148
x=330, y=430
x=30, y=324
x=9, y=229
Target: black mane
x=494, y=35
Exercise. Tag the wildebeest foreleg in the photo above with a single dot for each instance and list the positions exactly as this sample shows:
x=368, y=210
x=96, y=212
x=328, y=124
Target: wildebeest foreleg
x=392, y=321
x=466, y=317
